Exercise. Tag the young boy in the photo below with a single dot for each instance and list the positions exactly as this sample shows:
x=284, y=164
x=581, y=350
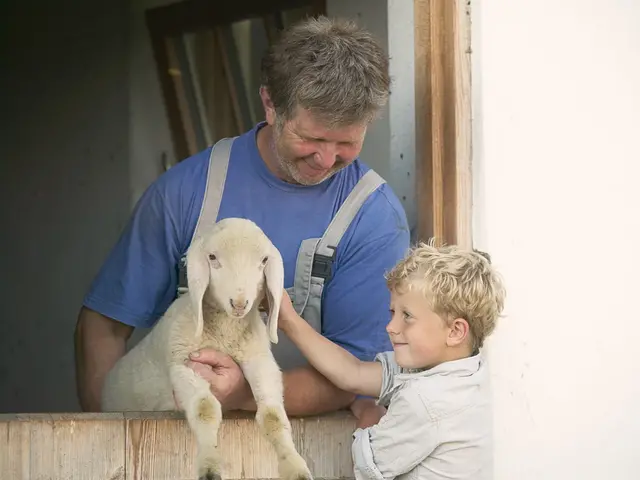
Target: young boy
x=444, y=303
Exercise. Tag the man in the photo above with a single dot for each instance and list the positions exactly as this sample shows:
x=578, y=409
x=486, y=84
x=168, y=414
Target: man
x=323, y=83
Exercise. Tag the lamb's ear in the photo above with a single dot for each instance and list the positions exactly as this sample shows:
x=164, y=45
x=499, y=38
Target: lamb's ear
x=198, y=280
x=274, y=279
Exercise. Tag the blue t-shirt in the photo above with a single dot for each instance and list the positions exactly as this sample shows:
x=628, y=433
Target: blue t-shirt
x=138, y=281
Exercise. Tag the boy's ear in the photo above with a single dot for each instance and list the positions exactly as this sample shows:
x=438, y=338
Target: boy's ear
x=458, y=332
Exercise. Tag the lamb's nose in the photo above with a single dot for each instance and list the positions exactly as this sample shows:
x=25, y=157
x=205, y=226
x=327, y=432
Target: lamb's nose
x=238, y=303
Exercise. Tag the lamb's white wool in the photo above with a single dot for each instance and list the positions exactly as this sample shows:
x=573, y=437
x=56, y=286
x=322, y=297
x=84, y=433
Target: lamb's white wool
x=230, y=269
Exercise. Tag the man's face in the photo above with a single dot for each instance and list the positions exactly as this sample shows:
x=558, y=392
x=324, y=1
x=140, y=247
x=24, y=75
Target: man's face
x=309, y=153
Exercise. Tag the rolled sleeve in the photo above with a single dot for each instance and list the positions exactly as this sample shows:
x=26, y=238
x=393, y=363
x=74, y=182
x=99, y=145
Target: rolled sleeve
x=405, y=436
x=389, y=370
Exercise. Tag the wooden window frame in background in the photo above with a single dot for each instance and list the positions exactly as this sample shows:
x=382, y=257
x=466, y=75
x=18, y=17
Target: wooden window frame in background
x=442, y=98
x=176, y=19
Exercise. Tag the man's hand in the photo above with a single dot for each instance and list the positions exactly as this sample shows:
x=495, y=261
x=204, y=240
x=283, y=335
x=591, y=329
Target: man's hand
x=224, y=375
x=367, y=412
x=370, y=416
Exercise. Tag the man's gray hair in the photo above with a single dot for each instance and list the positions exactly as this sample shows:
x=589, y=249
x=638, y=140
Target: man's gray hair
x=331, y=67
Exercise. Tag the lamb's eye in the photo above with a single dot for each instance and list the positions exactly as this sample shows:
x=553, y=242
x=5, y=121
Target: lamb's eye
x=264, y=260
x=212, y=257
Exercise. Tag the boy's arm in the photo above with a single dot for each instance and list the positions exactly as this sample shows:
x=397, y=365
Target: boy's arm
x=343, y=369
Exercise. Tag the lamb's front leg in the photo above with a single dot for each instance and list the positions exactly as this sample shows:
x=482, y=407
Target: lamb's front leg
x=265, y=378
x=204, y=415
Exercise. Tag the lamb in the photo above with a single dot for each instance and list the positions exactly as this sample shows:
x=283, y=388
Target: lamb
x=229, y=271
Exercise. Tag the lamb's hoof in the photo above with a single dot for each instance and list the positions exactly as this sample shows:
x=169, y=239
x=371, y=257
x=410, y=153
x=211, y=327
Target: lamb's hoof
x=295, y=474
x=304, y=476
x=210, y=475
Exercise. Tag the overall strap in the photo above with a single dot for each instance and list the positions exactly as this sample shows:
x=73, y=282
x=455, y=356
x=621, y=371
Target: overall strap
x=315, y=257
x=216, y=177
x=325, y=251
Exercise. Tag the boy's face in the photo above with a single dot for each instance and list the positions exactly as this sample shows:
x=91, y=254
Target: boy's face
x=419, y=336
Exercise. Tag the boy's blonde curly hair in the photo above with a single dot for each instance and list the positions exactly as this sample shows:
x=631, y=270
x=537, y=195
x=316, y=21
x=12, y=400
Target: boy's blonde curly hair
x=456, y=283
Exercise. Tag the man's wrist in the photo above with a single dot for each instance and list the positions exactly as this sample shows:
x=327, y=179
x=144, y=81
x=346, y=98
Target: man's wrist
x=249, y=403
x=246, y=401
x=367, y=412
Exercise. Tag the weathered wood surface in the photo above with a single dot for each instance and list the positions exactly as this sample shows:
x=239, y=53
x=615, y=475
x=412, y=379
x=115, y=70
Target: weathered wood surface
x=442, y=58
x=159, y=446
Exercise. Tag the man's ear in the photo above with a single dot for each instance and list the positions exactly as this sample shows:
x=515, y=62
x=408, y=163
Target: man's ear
x=458, y=332
x=267, y=104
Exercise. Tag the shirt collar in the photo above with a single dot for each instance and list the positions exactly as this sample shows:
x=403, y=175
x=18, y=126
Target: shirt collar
x=463, y=367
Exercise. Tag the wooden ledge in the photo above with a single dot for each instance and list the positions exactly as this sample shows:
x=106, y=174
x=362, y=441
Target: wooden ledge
x=168, y=415
x=159, y=445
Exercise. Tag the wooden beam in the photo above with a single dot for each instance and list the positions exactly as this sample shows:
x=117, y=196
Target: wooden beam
x=443, y=120
x=160, y=446
x=233, y=75
x=170, y=94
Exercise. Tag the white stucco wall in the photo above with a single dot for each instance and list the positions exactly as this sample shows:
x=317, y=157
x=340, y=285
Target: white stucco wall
x=556, y=174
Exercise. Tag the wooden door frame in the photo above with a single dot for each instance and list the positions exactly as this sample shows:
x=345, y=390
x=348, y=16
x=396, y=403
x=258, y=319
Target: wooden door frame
x=443, y=120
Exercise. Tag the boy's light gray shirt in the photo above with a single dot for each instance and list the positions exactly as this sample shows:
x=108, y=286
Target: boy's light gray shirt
x=438, y=425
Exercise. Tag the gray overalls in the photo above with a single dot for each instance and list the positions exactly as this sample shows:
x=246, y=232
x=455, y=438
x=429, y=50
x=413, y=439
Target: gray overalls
x=315, y=256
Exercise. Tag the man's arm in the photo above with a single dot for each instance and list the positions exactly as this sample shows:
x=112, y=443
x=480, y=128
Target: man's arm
x=99, y=343
x=306, y=392
x=132, y=289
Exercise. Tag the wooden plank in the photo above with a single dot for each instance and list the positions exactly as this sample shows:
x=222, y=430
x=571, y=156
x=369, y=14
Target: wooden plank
x=424, y=114
x=463, y=118
x=233, y=75
x=15, y=450
x=325, y=443
x=441, y=129
x=169, y=94
x=443, y=120
x=161, y=449
x=215, y=91
x=39, y=447
x=189, y=86
x=160, y=445
x=179, y=82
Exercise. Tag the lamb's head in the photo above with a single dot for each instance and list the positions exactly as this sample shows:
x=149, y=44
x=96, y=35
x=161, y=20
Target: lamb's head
x=231, y=265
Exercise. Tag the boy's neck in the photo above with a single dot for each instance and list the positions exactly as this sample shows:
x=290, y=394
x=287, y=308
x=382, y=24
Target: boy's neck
x=450, y=355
